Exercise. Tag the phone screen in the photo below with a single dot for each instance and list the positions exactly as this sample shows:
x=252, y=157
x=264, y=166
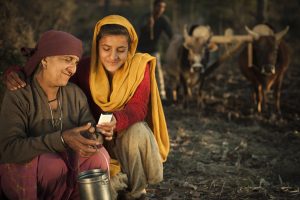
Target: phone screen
x=105, y=118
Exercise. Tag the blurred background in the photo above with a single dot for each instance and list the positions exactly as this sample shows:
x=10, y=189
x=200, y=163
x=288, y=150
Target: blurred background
x=22, y=21
x=256, y=156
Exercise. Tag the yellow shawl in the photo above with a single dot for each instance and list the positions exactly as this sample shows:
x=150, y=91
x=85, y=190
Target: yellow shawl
x=125, y=82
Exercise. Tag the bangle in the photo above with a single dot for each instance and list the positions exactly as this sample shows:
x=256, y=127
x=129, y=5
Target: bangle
x=63, y=141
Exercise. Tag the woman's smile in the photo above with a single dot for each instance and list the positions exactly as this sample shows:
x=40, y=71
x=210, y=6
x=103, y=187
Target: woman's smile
x=113, y=51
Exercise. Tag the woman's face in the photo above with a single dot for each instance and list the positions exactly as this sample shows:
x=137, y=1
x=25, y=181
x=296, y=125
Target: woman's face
x=160, y=8
x=113, y=51
x=59, y=69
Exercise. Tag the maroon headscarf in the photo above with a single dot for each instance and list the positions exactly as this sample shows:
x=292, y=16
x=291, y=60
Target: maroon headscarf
x=52, y=43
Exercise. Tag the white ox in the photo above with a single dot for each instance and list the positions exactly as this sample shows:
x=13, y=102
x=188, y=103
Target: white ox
x=186, y=61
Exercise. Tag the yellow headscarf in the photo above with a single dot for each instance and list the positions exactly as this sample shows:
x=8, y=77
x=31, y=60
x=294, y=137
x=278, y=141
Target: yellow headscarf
x=125, y=82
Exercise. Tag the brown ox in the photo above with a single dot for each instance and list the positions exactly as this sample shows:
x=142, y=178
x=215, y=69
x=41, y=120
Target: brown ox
x=270, y=59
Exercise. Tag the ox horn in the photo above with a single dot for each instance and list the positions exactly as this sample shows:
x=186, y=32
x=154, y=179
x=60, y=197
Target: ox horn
x=185, y=32
x=186, y=36
x=282, y=33
x=254, y=34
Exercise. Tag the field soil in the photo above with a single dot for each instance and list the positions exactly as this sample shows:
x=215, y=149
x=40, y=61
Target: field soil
x=226, y=150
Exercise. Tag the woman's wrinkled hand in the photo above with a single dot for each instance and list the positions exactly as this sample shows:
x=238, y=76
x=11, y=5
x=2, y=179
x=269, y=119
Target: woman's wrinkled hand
x=75, y=139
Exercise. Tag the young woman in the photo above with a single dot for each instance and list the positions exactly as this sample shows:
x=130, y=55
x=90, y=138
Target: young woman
x=41, y=146
x=120, y=81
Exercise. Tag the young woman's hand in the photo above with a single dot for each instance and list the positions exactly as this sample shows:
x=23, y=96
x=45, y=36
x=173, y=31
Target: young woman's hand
x=13, y=81
x=107, y=129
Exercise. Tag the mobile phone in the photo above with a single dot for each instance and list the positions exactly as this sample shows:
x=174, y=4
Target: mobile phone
x=105, y=118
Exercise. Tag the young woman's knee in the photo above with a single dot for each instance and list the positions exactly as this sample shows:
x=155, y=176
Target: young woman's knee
x=139, y=131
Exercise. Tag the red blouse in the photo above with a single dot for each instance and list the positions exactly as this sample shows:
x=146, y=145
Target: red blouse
x=135, y=110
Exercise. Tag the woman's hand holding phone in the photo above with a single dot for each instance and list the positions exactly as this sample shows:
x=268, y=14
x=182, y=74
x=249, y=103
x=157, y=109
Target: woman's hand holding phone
x=106, y=125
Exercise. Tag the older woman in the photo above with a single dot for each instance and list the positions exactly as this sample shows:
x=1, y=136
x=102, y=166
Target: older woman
x=120, y=81
x=41, y=144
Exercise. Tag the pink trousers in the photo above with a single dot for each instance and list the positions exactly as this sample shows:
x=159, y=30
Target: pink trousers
x=48, y=176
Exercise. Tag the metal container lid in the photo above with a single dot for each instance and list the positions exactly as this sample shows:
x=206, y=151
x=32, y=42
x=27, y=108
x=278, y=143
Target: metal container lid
x=94, y=175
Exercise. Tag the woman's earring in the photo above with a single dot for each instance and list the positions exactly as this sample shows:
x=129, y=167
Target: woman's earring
x=44, y=65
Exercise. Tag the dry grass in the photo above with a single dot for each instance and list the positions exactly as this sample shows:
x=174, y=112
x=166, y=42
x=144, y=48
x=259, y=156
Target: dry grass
x=227, y=151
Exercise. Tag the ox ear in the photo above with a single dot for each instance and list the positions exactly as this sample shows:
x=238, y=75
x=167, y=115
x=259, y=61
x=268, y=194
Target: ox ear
x=212, y=47
x=209, y=29
x=282, y=33
x=250, y=32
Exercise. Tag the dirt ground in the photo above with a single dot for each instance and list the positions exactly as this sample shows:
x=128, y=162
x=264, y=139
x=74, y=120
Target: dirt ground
x=226, y=150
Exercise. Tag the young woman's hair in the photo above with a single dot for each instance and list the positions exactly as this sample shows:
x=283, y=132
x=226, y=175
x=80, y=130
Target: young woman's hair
x=111, y=29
